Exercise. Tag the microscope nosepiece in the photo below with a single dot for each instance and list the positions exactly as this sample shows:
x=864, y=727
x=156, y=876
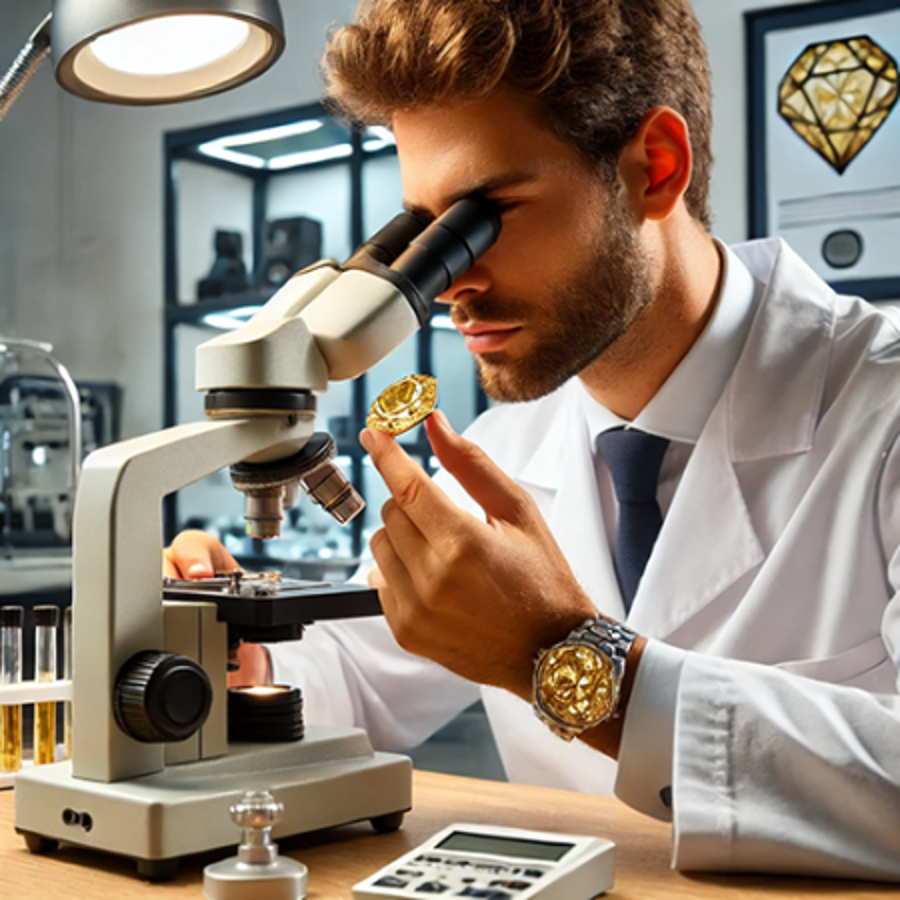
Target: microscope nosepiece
x=270, y=487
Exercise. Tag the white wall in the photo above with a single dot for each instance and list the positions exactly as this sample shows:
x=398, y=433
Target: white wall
x=81, y=195
x=81, y=233
x=723, y=28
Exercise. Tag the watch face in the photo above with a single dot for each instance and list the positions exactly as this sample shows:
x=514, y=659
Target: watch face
x=577, y=685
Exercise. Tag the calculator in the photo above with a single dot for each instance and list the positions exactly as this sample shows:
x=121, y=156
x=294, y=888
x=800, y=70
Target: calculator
x=494, y=863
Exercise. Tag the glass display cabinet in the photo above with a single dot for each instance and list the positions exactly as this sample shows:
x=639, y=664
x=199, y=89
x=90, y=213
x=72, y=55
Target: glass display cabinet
x=248, y=203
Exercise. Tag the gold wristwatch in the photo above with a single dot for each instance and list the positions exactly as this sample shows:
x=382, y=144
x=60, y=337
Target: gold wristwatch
x=577, y=682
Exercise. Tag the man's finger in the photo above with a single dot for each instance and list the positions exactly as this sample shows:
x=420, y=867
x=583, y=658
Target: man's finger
x=397, y=588
x=481, y=478
x=197, y=554
x=375, y=579
x=414, y=551
x=426, y=505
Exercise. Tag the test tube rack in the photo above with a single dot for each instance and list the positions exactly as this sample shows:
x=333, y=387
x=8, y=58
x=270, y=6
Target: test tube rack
x=27, y=693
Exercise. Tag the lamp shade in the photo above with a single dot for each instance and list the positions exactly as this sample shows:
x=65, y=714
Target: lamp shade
x=143, y=52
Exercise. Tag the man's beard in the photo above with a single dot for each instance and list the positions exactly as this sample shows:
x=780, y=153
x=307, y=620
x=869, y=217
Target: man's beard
x=589, y=313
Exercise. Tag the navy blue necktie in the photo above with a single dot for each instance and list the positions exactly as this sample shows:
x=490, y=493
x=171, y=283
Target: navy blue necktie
x=634, y=459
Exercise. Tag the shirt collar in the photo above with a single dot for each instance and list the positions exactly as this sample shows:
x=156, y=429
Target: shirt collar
x=680, y=408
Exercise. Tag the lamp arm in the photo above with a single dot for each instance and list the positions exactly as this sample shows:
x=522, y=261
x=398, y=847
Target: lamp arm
x=25, y=65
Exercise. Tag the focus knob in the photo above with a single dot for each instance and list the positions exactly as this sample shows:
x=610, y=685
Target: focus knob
x=161, y=697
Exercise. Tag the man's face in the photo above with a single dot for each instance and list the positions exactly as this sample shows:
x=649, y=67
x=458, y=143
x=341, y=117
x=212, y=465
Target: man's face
x=566, y=278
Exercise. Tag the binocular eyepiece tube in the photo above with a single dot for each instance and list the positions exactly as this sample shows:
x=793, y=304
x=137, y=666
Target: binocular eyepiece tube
x=424, y=259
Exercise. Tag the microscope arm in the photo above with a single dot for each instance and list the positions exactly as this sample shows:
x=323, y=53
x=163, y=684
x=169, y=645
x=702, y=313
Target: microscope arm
x=317, y=328
x=117, y=569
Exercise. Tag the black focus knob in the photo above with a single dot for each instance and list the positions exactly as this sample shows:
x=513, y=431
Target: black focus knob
x=161, y=697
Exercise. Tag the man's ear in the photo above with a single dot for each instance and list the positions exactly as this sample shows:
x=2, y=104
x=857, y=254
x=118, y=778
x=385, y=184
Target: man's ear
x=656, y=164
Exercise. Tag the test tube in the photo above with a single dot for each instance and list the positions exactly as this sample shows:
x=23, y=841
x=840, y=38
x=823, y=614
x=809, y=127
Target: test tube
x=67, y=673
x=11, y=619
x=46, y=620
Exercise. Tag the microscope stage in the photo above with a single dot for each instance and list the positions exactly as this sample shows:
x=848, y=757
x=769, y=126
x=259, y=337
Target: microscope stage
x=255, y=602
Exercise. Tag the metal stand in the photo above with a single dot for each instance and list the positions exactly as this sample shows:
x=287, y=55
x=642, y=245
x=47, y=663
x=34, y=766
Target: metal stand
x=257, y=870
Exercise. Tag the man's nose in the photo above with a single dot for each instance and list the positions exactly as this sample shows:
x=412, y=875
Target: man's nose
x=475, y=281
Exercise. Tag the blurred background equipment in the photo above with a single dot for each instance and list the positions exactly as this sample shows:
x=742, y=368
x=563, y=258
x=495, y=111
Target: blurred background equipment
x=48, y=424
x=41, y=445
x=289, y=245
x=228, y=274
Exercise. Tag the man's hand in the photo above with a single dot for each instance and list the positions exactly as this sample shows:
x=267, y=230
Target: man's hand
x=253, y=666
x=196, y=554
x=478, y=597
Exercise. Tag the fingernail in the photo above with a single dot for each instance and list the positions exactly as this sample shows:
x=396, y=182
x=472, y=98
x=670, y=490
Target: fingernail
x=198, y=570
x=366, y=439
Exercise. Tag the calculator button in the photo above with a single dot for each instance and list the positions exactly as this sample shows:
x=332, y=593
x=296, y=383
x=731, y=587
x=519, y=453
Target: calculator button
x=409, y=873
x=432, y=887
x=428, y=859
x=391, y=881
x=533, y=873
x=512, y=885
x=485, y=894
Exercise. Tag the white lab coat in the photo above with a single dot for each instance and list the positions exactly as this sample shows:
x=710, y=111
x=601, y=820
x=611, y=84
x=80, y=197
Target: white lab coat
x=777, y=566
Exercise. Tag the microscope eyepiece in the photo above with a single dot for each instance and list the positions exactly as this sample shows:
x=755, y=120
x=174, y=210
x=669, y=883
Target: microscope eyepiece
x=449, y=246
x=388, y=243
x=422, y=260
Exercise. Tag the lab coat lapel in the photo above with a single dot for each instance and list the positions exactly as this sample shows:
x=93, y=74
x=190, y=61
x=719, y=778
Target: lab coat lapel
x=561, y=469
x=769, y=408
x=706, y=544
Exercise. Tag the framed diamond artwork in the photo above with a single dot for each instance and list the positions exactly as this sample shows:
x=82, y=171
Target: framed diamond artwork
x=824, y=137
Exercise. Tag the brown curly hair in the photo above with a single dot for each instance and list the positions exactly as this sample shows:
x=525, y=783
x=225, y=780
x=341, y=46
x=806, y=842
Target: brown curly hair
x=595, y=67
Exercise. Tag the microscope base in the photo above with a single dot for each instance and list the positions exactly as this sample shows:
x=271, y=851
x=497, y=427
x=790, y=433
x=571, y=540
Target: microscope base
x=331, y=777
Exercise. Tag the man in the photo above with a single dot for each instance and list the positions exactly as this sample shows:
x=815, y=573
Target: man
x=758, y=703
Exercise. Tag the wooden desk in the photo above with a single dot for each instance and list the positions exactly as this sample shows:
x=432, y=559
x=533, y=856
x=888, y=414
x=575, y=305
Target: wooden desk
x=337, y=859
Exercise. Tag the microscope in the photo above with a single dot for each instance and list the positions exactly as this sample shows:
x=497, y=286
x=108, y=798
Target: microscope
x=152, y=773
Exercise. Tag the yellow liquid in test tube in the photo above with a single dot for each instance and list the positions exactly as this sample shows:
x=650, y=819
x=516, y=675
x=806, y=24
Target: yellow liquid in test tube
x=11, y=619
x=46, y=619
x=67, y=673
x=10, y=738
x=44, y=733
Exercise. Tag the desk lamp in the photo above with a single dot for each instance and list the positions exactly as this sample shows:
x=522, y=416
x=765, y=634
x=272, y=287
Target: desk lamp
x=145, y=52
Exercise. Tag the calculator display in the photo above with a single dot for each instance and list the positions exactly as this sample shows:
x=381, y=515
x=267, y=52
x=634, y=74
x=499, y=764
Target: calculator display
x=464, y=842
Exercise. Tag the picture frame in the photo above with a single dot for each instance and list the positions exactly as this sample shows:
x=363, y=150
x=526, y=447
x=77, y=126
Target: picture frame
x=835, y=199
